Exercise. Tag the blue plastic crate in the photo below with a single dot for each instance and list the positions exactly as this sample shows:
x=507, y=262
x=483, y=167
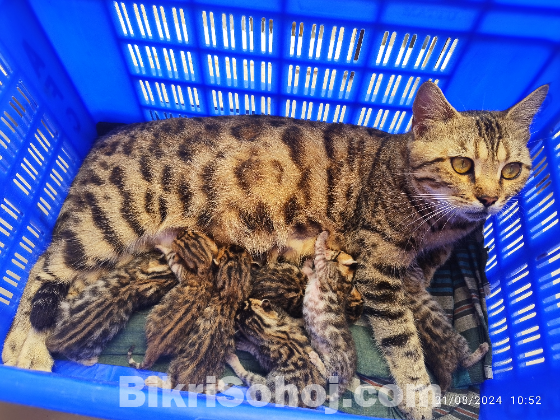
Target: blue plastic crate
x=65, y=65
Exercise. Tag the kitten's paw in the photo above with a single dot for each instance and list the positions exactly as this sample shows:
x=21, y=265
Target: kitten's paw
x=232, y=360
x=156, y=381
x=307, y=268
x=476, y=356
x=316, y=360
x=89, y=362
x=417, y=402
x=33, y=354
x=418, y=413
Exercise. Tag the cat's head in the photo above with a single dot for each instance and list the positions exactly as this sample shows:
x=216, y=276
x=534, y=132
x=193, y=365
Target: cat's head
x=470, y=162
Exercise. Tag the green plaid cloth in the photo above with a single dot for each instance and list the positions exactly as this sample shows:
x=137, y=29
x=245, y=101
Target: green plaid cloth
x=459, y=286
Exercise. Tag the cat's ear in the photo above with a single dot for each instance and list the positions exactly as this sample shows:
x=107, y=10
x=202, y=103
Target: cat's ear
x=430, y=106
x=524, y=111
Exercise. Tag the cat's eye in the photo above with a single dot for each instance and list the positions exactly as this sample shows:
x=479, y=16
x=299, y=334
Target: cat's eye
x=462, y=165
x=511, y=170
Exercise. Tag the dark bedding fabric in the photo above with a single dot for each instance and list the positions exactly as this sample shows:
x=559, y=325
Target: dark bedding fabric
x=459, y=286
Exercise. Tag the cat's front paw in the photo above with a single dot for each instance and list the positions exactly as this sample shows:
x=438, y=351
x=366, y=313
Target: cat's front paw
x=418, y=402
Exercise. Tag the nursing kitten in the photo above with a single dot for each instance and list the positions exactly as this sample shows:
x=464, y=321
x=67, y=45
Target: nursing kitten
x=284, y=285
x=265, y=182
x=171, y=321
x=203, y=352
x=325, y=320
x=444, y=348
x=282, y=348
x=88, y=321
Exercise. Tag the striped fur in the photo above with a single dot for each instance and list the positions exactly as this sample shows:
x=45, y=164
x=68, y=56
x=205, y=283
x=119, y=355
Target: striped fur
x=325, y=319
x=281, y=347
x=270, y=183
x=444, y=348
x=284, y=286
x=170, y=322
x=87, y=321
x=203, y=352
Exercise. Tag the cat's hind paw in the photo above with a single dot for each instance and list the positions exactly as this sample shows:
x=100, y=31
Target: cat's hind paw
x=31, y=354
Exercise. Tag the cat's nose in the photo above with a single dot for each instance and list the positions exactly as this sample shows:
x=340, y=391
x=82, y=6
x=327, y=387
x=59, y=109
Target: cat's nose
x=486, y=200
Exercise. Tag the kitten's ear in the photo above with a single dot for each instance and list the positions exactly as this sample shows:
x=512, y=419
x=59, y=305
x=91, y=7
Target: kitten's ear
x=265, y=304
x=524, y=111
x=430, y=106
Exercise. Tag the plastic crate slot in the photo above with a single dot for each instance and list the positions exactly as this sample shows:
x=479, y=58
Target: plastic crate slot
x=541, y=206
x=540, y=190
x=539, y=229
x=516, y=225
x=502, y=363
x=497, y=350
x=120, y=16
x=525, y=318
x=495, y=305
x=429, y=54
x=449, y=54
x=536, y=150
x=13, y=279
x=537, y=165
x=520, y=290
x=358, y=45
x=497, y=324
x=545, y=177
x=528, y=339
x=532, y=362
x=382, y=48
x=500, y=343
x=522, y=297
x=534, y=174
x=422, y=51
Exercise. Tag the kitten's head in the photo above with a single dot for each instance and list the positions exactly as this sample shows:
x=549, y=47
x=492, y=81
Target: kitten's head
x=257, y=318
x=472, y=162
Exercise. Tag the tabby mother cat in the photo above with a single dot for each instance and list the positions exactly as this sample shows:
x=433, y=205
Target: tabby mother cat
x=271, y=185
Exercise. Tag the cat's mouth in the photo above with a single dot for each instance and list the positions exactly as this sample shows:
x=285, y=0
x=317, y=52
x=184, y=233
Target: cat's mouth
x=481, y=214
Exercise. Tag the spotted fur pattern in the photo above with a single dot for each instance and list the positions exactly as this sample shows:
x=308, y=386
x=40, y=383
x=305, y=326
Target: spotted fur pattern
x=444, y=348
x=282, y=348
x=325, y=319
x=87, y=321
x=284, y=284
x=170, y=322
x=267, y=183
x=203, y=352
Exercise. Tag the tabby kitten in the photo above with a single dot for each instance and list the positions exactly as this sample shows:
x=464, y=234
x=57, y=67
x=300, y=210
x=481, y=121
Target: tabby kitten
x=203, y=352
x=284, y=285
x=170, y=322
x=270, y=183
x=325, y=320
x=88, y=321
x=281, y=347
x=444, y=348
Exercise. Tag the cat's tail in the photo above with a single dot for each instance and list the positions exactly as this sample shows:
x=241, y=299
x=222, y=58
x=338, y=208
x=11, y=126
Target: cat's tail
x=475, y=356
x=131, y=361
